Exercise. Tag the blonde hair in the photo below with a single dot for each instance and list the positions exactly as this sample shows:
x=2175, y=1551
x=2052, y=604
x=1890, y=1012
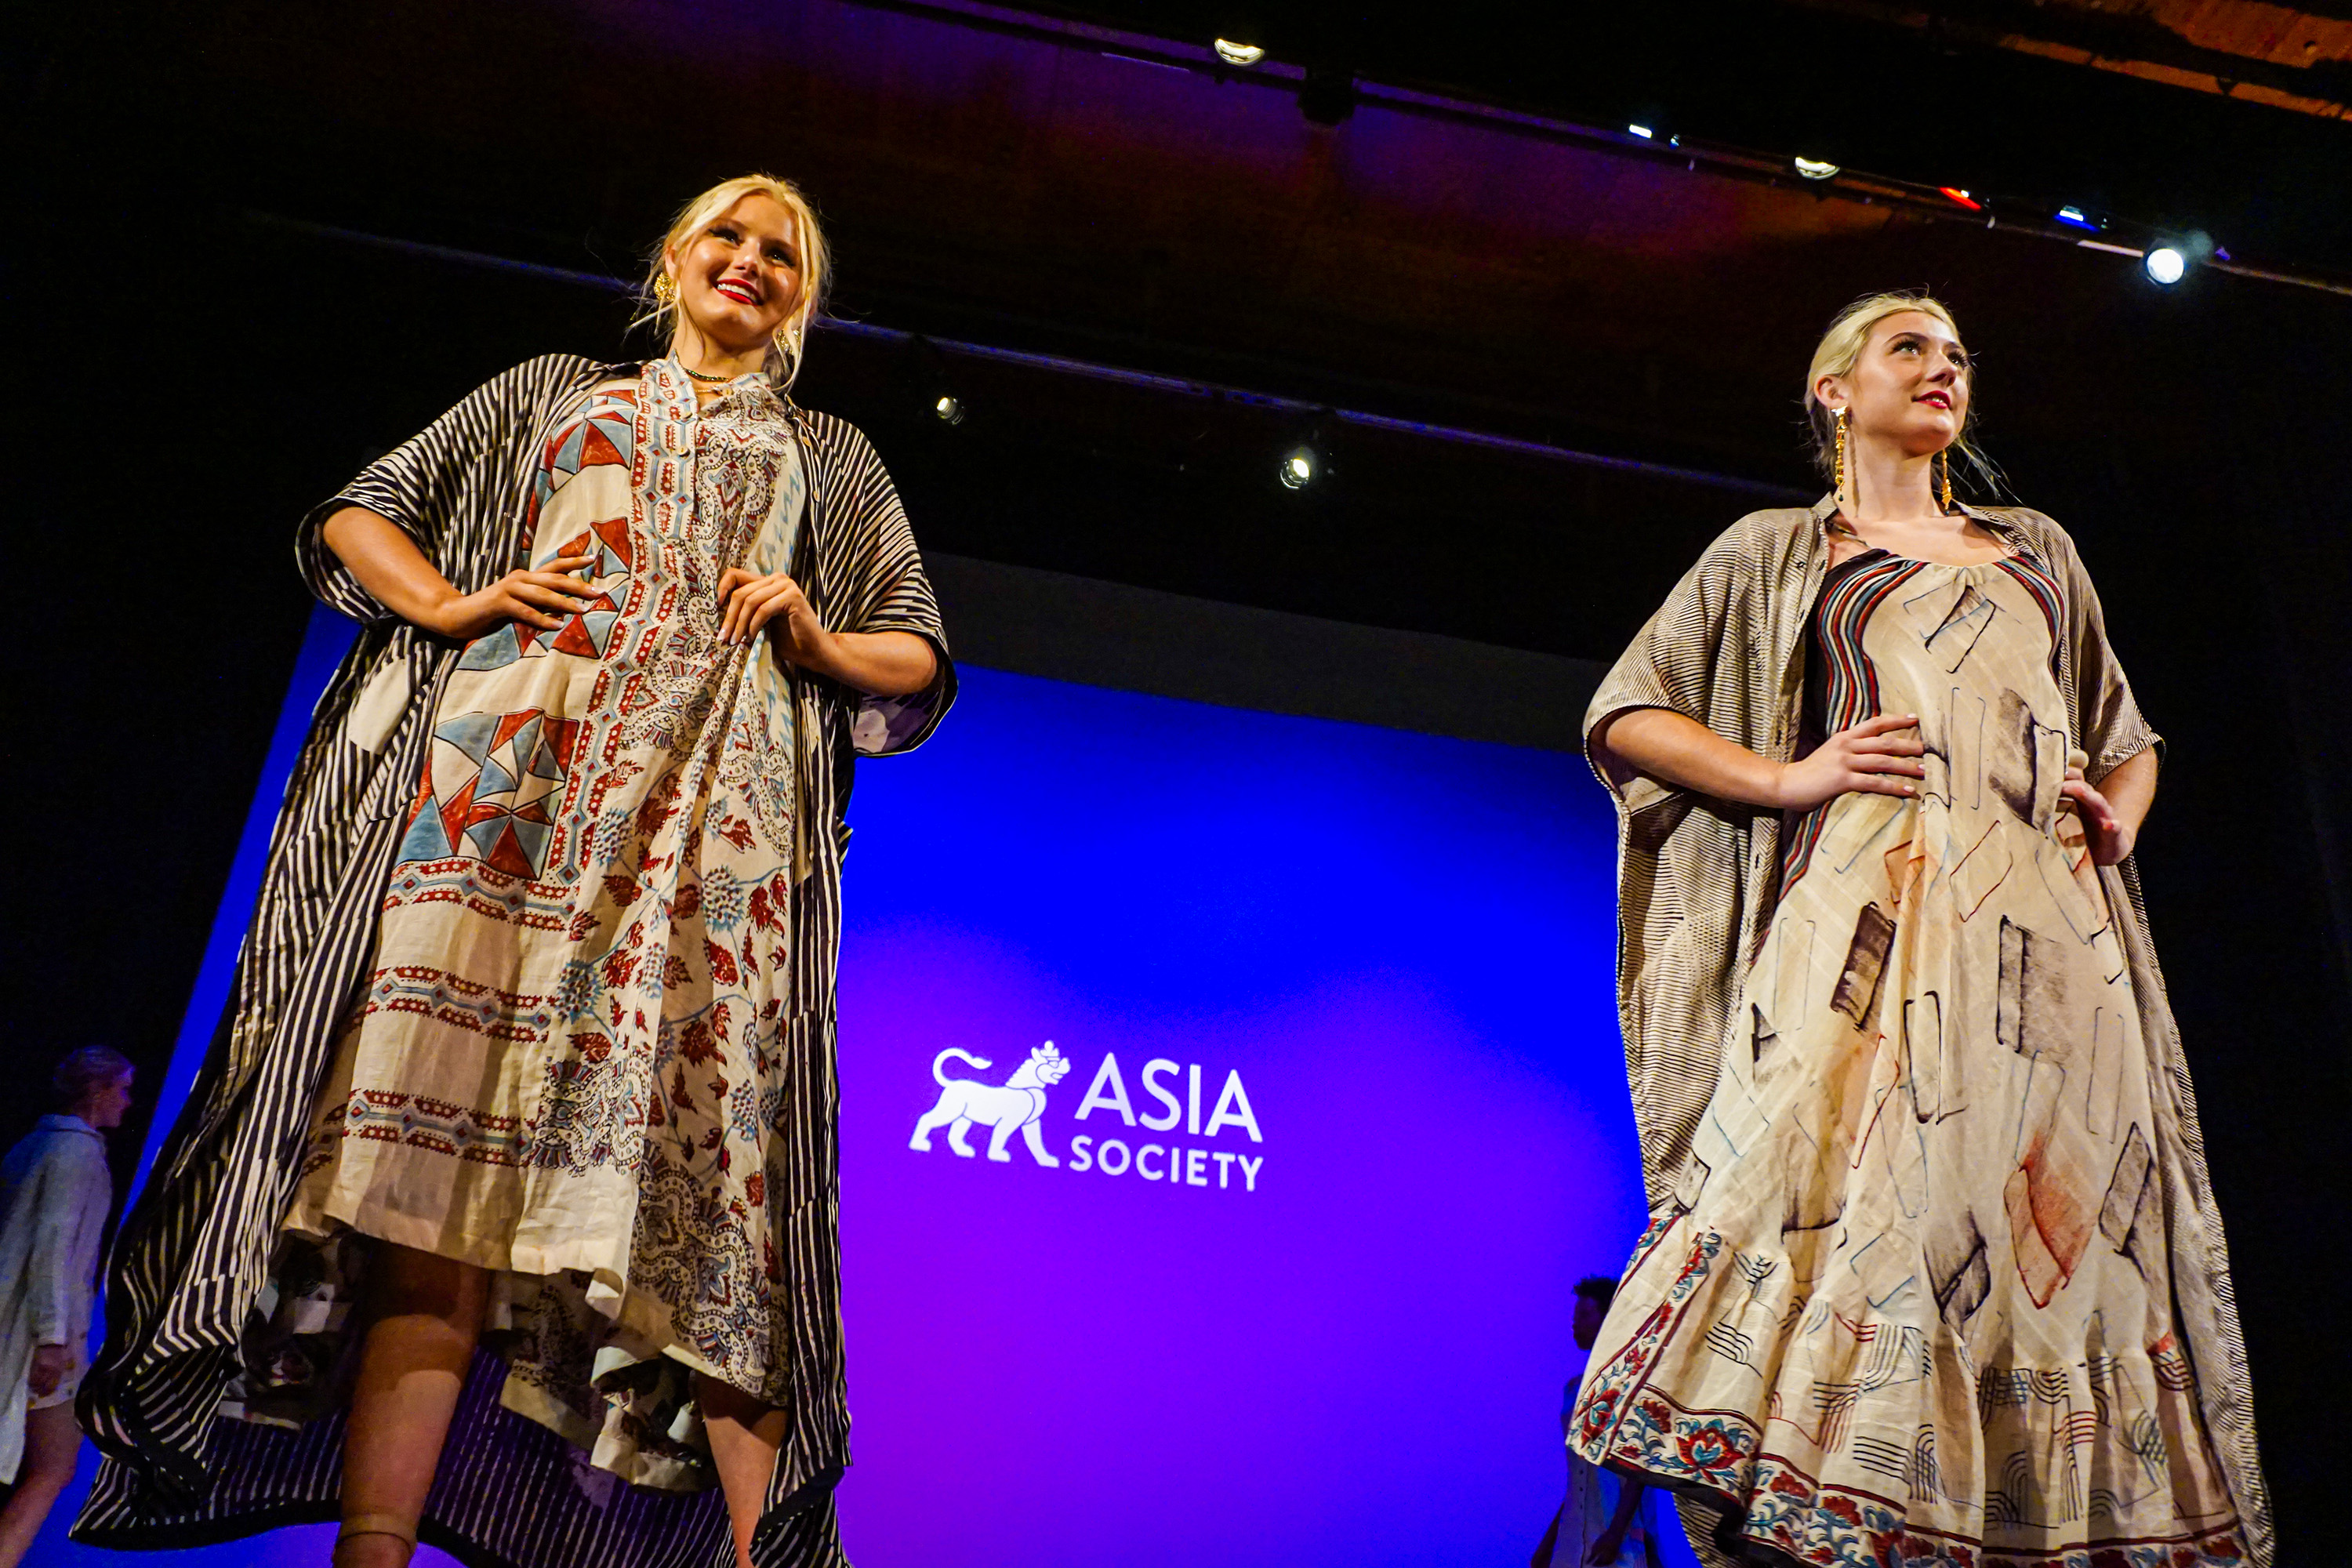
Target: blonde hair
x=792, y=337
x=1840, y=351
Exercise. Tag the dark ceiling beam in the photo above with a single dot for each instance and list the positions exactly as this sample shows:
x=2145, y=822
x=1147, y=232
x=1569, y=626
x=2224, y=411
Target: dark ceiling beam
x=2115, y=41
x=1995, y=210
x=1094, y=370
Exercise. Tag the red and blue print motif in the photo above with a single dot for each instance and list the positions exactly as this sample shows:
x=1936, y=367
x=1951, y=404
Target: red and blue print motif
x=1622, y=1423
x=491, y=779
x=605, y=432
x=1850, y=686
x=1608, y=1398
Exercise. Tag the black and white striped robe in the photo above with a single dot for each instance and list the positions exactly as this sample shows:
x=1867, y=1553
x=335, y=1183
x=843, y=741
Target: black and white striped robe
x=194, y=1253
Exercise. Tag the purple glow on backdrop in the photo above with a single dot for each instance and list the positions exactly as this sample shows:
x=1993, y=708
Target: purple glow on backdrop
x=1403, y=947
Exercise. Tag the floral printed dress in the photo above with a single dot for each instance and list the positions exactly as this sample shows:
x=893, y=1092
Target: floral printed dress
x=560, y=1065
x=1917, y=1310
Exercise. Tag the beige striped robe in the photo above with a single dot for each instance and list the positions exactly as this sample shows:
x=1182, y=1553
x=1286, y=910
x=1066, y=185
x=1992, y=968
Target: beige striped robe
x=1696, y=878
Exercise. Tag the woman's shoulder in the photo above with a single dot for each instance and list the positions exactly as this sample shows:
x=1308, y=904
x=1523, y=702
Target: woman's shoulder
x=2041, y=532
x=543, y=375
x=1758, y=543
x=839, y=444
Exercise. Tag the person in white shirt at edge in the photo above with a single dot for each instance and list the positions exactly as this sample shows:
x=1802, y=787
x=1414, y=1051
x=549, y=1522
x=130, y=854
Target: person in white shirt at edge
x=54, y=1193
x=1606, y=1521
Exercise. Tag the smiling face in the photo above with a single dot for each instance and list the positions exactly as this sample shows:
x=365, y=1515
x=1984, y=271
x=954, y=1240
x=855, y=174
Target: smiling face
x=1910, y=385
x=738, y=275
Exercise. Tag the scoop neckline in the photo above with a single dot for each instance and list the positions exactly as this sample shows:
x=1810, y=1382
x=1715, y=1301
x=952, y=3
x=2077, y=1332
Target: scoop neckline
x=1880, y=552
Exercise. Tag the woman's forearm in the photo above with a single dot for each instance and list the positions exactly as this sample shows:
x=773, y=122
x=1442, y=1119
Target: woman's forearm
x=2130, y=789
x=389, y=566
x=880, y=664
x=1676, y=749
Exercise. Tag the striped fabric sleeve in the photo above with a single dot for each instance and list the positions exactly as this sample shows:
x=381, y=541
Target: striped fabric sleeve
x=424, y=485
x=888, y=591
x=1701, y=655
x=2112, y=729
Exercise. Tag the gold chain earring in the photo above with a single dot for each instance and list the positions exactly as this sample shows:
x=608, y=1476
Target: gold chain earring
x=664, y=290
x=1838, y=415
x=1946, y=455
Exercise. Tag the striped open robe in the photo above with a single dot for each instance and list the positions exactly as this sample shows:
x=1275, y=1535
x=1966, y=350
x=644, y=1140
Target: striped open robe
x=195, y=1252
x=1696, y=877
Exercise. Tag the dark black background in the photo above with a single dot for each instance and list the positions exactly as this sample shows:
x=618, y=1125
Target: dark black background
x=191, y=376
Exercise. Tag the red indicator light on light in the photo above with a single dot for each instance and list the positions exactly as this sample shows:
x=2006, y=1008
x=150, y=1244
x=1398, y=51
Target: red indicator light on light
x=1962, y=198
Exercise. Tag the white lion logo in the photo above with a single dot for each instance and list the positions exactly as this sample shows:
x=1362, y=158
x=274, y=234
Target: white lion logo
x=1014, y=1105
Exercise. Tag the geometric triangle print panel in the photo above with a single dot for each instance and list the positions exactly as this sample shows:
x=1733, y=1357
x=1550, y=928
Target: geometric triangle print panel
x=495, y=780
x=492, y=781
x=472, y=733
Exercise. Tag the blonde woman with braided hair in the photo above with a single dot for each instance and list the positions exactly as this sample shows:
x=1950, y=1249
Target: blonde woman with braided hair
x=514, y=1186
x=1934, y=1274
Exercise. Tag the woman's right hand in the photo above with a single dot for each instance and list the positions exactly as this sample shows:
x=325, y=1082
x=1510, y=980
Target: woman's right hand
x=1872, y=758
x=544, y=597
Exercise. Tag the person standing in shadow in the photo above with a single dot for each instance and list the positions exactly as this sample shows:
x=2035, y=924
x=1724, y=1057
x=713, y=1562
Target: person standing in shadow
x=1606, y=1521
x=55, y=1194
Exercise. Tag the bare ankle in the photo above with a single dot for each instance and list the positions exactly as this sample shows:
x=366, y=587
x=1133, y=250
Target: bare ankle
x=373, y=1549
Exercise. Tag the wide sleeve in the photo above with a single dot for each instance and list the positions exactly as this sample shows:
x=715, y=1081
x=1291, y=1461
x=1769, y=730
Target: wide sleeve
x=880, y=586
x=448, y=487
x=1696, y=656
x=2109, y=725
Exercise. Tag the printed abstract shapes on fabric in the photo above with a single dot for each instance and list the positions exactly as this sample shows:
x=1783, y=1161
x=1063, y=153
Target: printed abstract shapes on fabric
x=640, y=777
x=1918, y=1310
x=604, y=436
x=492, y=782
x=588, y=632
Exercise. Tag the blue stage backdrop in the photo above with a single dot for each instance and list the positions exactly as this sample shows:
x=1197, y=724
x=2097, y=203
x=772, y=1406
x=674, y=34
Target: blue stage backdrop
x=1292, y=1108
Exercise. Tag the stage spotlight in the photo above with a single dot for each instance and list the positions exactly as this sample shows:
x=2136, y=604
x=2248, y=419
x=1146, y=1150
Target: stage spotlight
x=1953, y=193
x=926, y=381
x=1643, y=132
x=2165, y=265
x=1816, y=169
x=2075, y=218
x=1301, y=466
x=1235, y=54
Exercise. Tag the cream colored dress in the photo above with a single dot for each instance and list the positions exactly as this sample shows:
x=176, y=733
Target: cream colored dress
x=563, y=1065
x=1916, y=1308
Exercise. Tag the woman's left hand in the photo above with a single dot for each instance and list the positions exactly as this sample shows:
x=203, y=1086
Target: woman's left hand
x=2104, y=832
x=749, y=602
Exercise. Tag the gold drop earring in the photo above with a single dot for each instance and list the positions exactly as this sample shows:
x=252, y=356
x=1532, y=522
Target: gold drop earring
x=664, y=290
x=1946, y=457
x=1838, y=416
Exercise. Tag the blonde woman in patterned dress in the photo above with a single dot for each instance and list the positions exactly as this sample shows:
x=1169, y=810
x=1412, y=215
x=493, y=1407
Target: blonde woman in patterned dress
x=1933, y=1275
x=546, y=952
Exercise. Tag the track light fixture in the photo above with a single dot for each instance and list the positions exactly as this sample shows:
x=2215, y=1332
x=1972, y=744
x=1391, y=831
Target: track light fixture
x=1308, y=463
x=926, y=372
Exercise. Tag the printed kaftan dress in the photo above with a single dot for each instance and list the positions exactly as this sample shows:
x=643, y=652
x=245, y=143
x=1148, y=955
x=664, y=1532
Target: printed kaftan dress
x=1917, y=1310
x=560, y=1065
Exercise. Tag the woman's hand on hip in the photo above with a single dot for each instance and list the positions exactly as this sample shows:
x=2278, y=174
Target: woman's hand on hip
x=545, y=597
x=750, y=603
x=1872, y=758
x=2108, y=837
